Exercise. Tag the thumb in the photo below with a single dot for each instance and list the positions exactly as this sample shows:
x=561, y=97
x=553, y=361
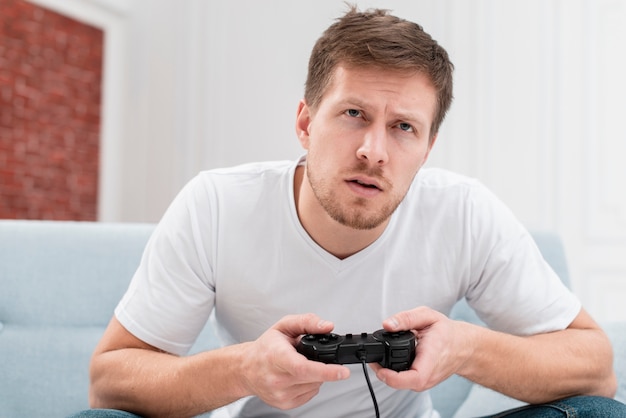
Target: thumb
x=417, y=319
x=295, y=325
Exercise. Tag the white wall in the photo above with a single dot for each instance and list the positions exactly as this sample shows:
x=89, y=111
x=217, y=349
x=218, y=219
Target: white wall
x=537, y=114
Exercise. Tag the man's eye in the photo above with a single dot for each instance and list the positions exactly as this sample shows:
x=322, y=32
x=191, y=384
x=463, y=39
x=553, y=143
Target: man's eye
x=353, y=113
x=405, y=127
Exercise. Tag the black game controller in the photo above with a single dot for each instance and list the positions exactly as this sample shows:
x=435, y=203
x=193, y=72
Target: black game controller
x=393, y=350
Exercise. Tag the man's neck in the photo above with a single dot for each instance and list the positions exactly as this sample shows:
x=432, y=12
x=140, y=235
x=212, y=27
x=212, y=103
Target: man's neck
x=337, y=239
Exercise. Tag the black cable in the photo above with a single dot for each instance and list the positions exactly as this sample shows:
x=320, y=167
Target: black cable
x=369, y=386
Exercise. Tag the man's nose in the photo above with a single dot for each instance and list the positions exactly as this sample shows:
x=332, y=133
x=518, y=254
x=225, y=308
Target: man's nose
x=373, y=147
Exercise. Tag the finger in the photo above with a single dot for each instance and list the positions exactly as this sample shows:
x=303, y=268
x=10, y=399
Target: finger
x=305, y=370
x=418, y=377
x=375, y=367
x=417, y=319
x=409, y=379
x=295, y=325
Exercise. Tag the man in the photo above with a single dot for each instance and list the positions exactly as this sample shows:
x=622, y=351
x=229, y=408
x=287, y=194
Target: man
x=356, y=234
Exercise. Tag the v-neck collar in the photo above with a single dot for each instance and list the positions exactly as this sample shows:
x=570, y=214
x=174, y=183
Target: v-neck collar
x=336, y=263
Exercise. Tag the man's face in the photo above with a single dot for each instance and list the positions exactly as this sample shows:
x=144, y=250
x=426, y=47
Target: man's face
x=366, y=141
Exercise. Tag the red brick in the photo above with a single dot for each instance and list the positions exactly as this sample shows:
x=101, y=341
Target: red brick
x=50, y=76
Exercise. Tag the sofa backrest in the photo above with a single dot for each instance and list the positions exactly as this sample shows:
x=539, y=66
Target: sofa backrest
x=449, y=395
x=59, y=284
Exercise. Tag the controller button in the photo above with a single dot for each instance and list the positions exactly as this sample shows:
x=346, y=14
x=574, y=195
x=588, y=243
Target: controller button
x=364, y=335
x=334, y=337
x=310, y=337
x=327, y=358
x=401, y=366
x=400, y=353
x=349, y=336
x=323, y=340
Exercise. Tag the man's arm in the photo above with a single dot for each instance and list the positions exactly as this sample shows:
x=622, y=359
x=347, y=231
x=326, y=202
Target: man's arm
x=128, y=374
x=534, y=369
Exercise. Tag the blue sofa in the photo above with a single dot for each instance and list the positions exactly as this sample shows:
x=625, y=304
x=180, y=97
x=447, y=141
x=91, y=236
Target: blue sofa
x=59, y=283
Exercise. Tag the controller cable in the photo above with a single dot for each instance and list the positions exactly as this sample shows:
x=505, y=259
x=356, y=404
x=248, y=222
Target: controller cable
x=362, y=357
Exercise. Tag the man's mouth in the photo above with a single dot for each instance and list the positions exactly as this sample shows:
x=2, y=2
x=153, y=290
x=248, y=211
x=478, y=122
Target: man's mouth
x=364, y=184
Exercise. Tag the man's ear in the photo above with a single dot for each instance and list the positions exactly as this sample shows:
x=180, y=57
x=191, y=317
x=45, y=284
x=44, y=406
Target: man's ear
x=303, y=123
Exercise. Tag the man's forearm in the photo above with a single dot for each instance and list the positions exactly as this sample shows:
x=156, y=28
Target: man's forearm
x=155, y=384
x=131, y=375
x=542, y=368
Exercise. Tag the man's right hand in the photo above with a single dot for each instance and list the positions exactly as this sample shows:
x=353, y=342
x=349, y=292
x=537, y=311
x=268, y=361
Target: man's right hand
x=280, y=376
x=131, y=375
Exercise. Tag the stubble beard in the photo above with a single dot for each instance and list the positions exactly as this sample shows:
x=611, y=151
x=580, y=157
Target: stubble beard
x=354, y=214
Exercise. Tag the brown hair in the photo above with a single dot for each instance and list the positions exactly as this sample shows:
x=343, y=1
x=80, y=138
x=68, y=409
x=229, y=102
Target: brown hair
x=375, y=38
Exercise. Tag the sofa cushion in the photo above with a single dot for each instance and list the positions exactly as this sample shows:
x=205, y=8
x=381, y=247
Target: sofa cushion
x=60, y=284
x=482, y=401
x=52, y=370
x=66, y=273
x=617, y=334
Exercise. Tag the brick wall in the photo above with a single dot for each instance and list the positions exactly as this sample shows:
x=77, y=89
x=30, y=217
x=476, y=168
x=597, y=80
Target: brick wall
x=50, y=77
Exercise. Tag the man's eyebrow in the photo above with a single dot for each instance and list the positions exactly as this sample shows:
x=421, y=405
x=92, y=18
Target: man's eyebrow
x=408, y=117
x=416, y=119
x=400, y=115
x=354, y=101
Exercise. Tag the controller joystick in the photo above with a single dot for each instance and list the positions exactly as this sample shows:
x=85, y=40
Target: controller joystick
x=393, y=350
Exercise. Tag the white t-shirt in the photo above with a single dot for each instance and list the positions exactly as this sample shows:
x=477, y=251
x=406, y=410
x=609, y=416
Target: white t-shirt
x=231, y=243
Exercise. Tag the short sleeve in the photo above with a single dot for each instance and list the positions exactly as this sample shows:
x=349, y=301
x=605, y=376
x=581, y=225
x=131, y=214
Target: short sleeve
x=513, y=289
x=171, y=294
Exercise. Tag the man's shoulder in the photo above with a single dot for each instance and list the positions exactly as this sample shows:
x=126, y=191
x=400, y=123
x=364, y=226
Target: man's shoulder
x=437, y=178
x=270, y=172
x=440, y=186
x=251, y=169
